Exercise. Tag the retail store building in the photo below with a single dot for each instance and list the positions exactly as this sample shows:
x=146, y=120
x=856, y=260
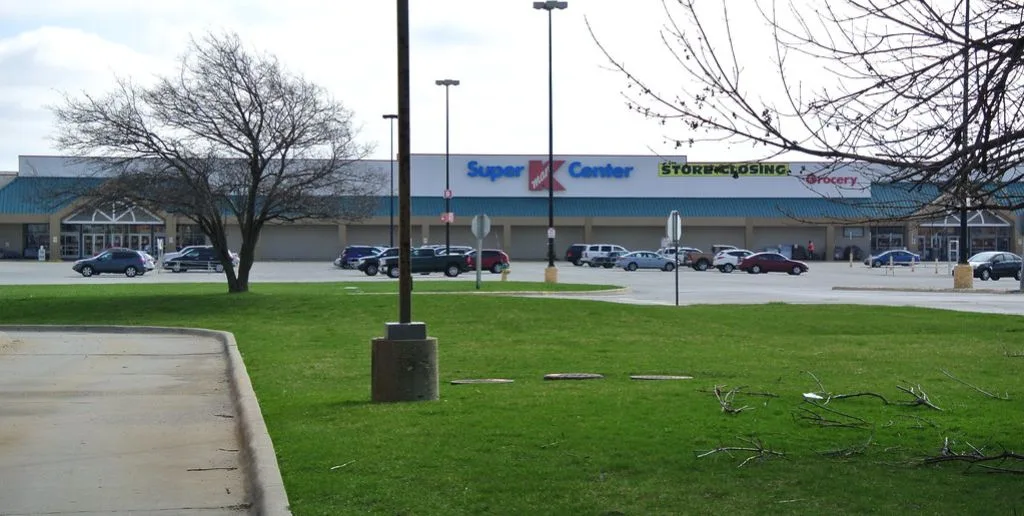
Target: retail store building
x=614, y=199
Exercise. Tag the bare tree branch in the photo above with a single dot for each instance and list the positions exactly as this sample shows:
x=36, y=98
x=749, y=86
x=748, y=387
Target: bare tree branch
x=1005, y=396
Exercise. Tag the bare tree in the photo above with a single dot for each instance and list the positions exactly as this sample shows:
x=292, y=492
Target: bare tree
x=930, y=93
x=231, y=136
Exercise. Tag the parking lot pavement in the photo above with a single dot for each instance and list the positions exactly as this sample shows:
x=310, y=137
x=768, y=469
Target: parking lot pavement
x=97, y=423
x=644, y=286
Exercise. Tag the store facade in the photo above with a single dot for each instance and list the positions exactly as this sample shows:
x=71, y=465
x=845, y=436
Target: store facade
x=614, y=199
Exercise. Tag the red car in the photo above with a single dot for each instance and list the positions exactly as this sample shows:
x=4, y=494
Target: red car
x=771, y=262
x=494, y=260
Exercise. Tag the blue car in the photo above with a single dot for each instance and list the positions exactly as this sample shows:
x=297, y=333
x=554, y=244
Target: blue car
x=350, y=255
x=895, y=256
x=119, y=261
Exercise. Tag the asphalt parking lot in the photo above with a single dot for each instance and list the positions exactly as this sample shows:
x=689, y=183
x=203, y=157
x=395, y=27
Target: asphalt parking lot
x=928, y=285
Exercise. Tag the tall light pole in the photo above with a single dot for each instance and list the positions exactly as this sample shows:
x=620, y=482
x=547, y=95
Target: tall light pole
x=551, y=273
x=447, y=172
x=391, y=193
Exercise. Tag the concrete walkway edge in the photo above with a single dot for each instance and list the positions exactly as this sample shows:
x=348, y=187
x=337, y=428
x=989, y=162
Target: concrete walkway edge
x=266, y=487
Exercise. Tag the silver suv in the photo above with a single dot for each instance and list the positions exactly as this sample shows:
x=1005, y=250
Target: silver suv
x=595, y=255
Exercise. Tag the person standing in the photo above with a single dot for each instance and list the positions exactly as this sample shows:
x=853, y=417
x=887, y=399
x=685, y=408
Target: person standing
x=810, y=249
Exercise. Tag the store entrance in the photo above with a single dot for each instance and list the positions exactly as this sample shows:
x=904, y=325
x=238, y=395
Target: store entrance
x=93, y=244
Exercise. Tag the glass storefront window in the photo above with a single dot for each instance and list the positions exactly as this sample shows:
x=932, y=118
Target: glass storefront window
x=189, y=234
x=37, y=235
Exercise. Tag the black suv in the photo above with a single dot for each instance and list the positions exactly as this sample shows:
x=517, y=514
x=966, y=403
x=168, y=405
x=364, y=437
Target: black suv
x=574, y=253
x=350, y=255
x=370, y=265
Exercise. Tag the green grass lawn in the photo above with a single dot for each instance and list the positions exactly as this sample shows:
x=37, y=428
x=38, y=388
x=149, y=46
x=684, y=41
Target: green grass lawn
x=609, y=446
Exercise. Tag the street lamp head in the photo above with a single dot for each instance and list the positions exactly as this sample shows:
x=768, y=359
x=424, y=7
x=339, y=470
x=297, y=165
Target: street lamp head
x=390, y=117
x=550, y=5
x=447, y=82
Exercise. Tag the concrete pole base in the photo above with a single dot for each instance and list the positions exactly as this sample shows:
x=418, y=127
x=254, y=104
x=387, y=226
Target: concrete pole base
x=963, y=276
x=551, y=275
x=404, y=370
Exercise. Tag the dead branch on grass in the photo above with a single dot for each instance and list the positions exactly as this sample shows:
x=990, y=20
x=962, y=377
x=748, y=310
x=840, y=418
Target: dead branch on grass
x=828, y=396
x=920, y=397
x=725, y=400
x=820, y=419
x=1005, y=395
x=850, y=451
x=756, y=447
x=1004, y=462
x=1013, y=354
x=917, y=418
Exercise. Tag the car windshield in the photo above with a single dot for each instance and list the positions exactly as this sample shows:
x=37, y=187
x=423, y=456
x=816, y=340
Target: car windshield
x=982, y=257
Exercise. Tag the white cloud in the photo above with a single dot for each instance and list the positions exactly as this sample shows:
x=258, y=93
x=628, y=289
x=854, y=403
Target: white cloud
x=497, y=49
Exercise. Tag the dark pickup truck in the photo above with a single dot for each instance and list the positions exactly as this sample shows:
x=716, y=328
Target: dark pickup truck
x=426, y=260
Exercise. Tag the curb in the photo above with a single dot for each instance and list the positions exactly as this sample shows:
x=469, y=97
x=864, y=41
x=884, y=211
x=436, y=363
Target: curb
x=930, y=290
x=264, y=482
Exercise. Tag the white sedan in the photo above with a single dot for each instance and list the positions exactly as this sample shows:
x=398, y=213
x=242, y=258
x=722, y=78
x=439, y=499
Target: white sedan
x=727, y=260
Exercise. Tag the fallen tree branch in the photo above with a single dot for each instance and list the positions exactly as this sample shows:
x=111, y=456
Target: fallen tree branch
x=1005, y=396
x=821, y=420
x=756, y=447
x=856, y=449
x=725, y=400
x=1004, y=462
x=920, y=397
x=828, y=396
x=1013, y=354
x=918, y=418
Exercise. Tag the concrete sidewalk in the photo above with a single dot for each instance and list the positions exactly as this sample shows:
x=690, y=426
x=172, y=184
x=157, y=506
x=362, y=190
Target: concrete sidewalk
x=131, y=420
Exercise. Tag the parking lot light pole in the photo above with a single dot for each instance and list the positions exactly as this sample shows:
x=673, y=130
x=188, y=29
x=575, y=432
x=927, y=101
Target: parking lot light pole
x=551, y=273
x=391, y=193
x=447, y=172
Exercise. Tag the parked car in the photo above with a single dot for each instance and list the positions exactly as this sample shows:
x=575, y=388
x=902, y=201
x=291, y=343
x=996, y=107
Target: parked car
x=607, y=261
x=425, y=260
x=494, y=260
x=684, y=252
x=186, y=249
x=200, y=258
x=772, y=262
x=995, y=264
x=370, y=265
x=595, y=254
x=645, y=260
x=703, y=261
x=727, y=261
x=893, y=256
x=574, y=254
x=351, y=254
x=117, y=260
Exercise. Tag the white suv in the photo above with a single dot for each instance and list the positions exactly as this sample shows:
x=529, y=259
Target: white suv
x=684, y=252
x=727, y=260
x=595, y=254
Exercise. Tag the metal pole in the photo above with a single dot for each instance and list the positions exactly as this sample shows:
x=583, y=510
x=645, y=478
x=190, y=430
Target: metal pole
x=404, y=168
x=447, y=182
x=965, y=243
x=391, y=196
x=551, y=149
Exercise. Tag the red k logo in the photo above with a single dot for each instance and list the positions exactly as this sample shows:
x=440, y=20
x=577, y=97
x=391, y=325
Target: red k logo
x=539, y=176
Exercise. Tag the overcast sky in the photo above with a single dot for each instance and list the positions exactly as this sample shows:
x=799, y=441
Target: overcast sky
x=497, y=49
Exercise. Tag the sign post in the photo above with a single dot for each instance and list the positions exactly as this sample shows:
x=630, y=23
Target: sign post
x=481, y=227
x=674, y=230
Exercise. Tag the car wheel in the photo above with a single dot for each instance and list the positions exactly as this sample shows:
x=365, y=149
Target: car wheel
x=177, y=267
x=701, y=265
x=131, y=271
x=796, y=270
x=631, y=267
x=755, y=269
x=577, y=262
x=669, y=267
x=219, y=268
x=876, y=264
x=984, y=275
x=995, y=277
x=496, y=268
x=371, y=270
x=591, y=264
x=393, y=271
x=727, y=268
x=87, y=271
x=452, y=271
